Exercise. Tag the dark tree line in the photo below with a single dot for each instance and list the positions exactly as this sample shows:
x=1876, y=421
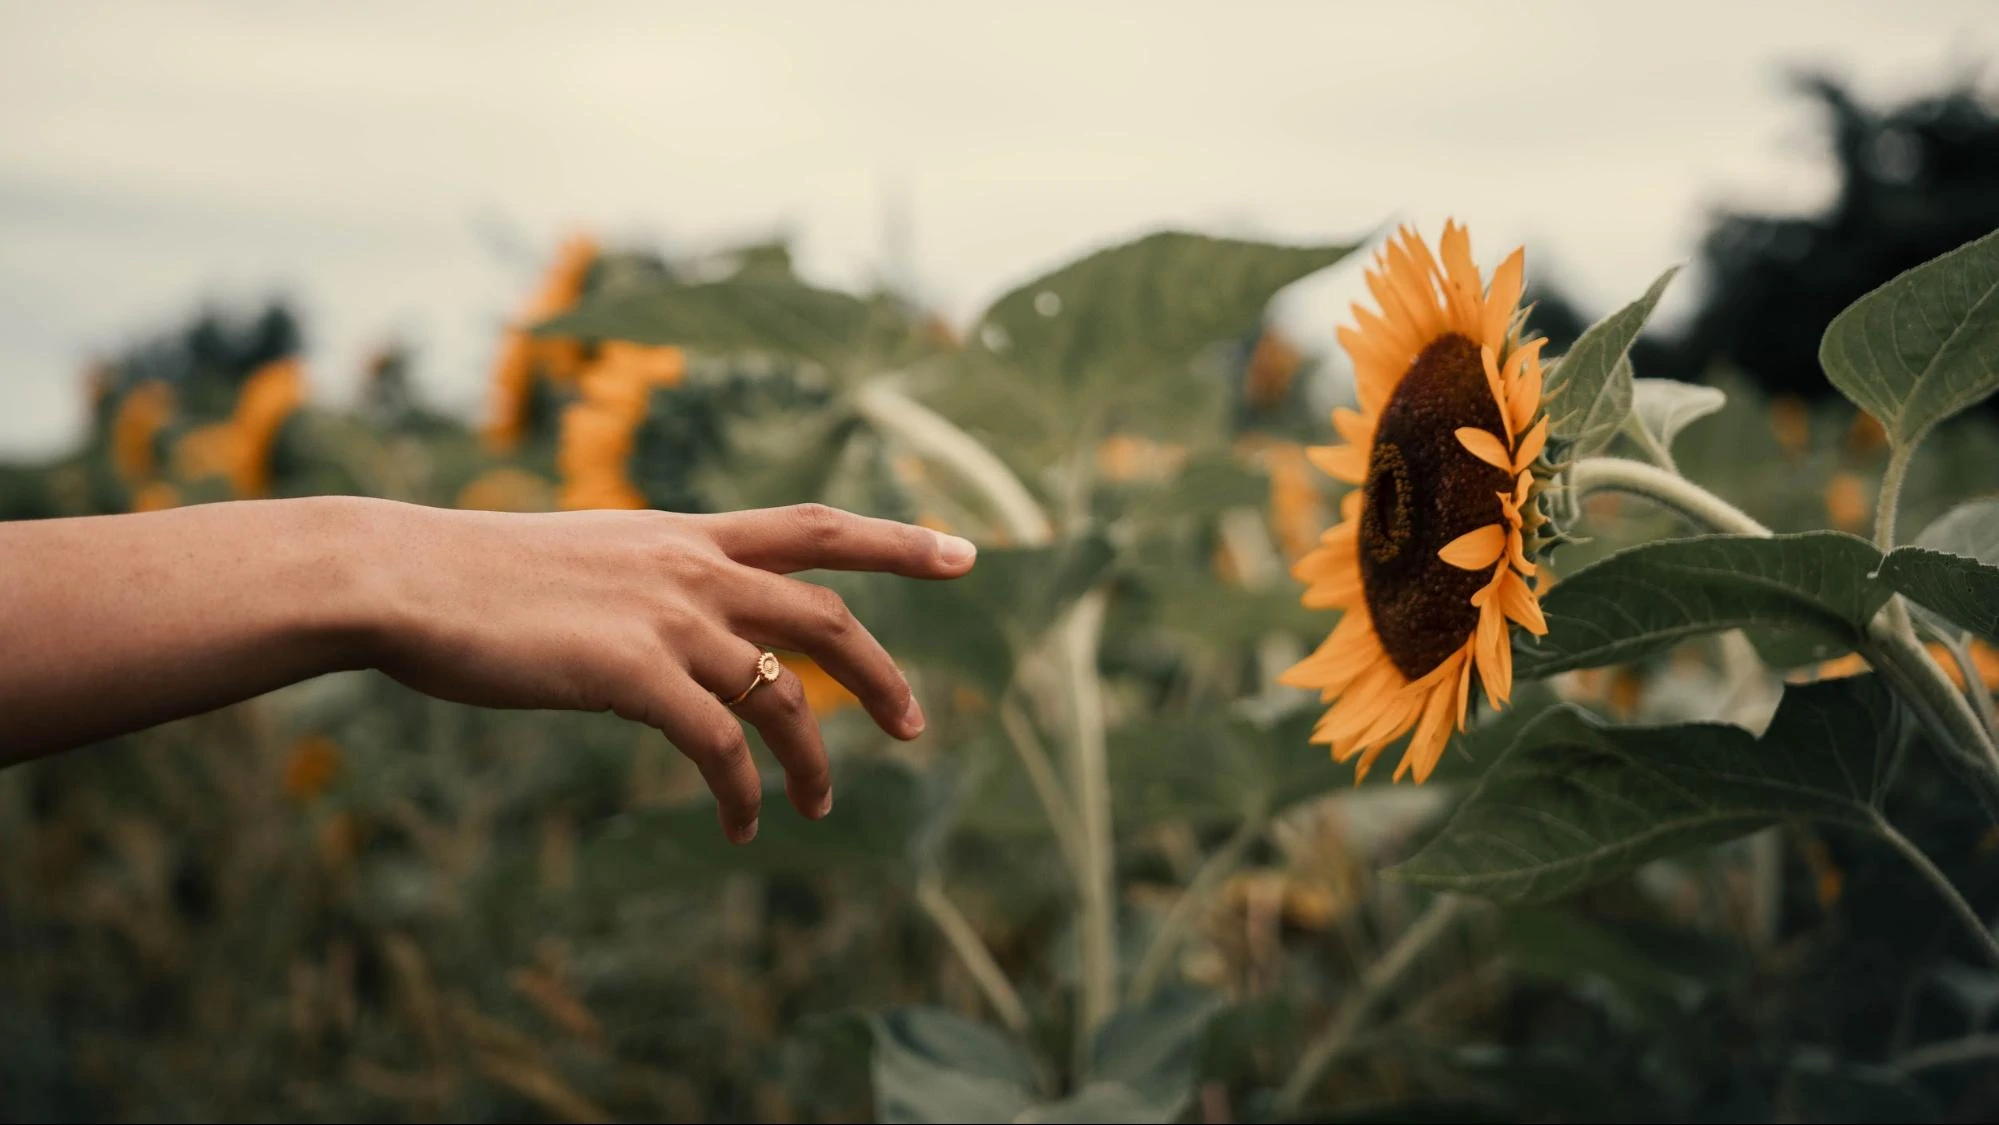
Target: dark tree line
x=1916, y=179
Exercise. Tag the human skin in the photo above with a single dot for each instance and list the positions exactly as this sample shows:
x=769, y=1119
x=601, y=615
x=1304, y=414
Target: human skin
x=110, y=624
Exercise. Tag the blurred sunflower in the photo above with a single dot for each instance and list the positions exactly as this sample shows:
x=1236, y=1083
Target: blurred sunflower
x=522, y=356
x=1273, y=366
x=598, y=430
x=267, y=399
x=1846, y=501
x=1429, y=562
x=141, y=414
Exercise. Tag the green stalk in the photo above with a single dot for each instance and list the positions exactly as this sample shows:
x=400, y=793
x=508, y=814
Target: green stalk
x=1890, y=642
x=1988, y=944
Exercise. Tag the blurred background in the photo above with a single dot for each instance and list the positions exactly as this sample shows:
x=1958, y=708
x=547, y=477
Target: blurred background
x=284, y=249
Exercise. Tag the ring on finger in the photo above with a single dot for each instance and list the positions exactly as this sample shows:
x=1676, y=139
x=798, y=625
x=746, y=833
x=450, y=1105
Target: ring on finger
x=767, y=671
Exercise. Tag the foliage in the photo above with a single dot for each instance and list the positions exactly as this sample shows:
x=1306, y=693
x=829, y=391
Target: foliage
x=1682, y=875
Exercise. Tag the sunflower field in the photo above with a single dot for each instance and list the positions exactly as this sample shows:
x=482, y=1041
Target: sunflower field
x=1440, y=729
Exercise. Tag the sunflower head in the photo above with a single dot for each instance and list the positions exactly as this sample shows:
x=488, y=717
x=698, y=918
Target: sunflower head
x=1431, y=563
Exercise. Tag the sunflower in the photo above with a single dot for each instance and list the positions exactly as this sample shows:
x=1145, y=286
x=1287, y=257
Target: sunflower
x=1429, y=562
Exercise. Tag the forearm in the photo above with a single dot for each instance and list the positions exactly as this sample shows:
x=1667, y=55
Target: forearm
x=111, y=624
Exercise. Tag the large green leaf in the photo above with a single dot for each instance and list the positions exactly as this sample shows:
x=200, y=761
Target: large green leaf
x=1664, y=407
x=932, y=1066
x=977, y=626
x=1805, y=597
x=1971, y=529
x=1925, y=345
x=1960, y=590
x=1589, y=391
x=1125, y=315
x=1142, y=1062
x=750, y=316
x=1576, y=802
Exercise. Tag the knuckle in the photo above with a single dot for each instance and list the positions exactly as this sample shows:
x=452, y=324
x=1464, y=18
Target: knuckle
x=722, y=743
x=790, y=693
x=829, y=612
x=820, y=524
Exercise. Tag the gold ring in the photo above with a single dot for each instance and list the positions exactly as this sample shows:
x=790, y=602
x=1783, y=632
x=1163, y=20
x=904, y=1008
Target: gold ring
x=767, y=670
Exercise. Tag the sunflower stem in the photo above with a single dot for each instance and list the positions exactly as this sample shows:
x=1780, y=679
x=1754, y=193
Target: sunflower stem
x=1062, y=820
x=1959, y=648
x=1372, y=989
x=1621, y=474
x=1889, y=502
x=1180, y=918
x=1890, y=643
x=972, y=952
x=1988, y=944
x=1097, y=907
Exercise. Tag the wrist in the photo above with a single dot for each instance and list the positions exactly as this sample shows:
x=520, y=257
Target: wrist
x=361, y=553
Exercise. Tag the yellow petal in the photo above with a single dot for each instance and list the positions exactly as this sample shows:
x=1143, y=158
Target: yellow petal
x=1531, y=446
x=1341, y=462
x=1503, y=297
x=1520, y=605
x=1476, y=549
x=1355, y=427
x=1495, y=664
x=1427, y=744
x=1495, y=382
x=1487, y=448
x=1516, y=551
x=1524, y=398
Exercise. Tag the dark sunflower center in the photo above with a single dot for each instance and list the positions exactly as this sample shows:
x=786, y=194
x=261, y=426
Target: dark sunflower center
x=1423, y=490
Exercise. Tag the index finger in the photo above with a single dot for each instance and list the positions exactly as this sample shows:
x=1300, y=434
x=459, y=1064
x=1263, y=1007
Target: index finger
x=816, y=537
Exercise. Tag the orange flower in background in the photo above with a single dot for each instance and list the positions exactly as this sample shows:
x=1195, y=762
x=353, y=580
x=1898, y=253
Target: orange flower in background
x=1429, y=563
x=268, y=398
x=507, y=490
x=1866, y=435
x=597, y=431
x=207, y=451
x=1272, y=368
x=1984, y=659
x=1297, y=510
x=156, y=496
x=1124, y=458
x=823, y=694
x=141, y=415
x=522, y=356
x=1791, y=422
x=596, y=441
x=311, y=766
x=1846, y=502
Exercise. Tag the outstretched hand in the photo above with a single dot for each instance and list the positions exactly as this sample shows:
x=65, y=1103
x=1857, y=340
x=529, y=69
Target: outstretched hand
x=115, y=623
x=660, y=617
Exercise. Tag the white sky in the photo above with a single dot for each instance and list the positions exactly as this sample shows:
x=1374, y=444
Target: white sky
x=406, y=167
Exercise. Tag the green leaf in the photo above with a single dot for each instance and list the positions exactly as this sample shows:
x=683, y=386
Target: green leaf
x=1925, y=345
x=1575, y=802
x=1664, y=407
x=1971, y=529
x=1805, y=597
x=979, y=625
x=1589, y=391
x=751, y=316
x=1143, y=1061
x=1961, y=590
x=1130, y=313
x=932, y=1066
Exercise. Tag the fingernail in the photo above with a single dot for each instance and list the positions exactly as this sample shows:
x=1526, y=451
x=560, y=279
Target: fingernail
x=912, y=718
x=826, y=803
x=748, y=831
x=954, y=550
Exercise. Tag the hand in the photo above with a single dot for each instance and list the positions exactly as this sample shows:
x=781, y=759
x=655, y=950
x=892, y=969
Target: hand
x=654, y=616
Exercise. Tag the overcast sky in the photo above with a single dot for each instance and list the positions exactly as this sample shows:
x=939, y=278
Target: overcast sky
x=405, y=168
